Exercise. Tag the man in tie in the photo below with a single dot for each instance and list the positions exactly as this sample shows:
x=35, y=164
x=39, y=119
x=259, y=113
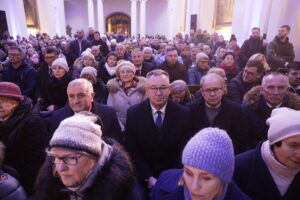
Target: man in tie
x=156, y=130
x=142, y=68
x=260, y=100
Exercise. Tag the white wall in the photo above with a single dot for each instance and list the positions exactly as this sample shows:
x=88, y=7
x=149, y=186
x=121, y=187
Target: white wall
x=157, y=17
x=15, y=16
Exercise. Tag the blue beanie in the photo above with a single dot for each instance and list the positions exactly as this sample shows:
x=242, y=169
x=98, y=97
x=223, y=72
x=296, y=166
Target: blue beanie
x=211, y=150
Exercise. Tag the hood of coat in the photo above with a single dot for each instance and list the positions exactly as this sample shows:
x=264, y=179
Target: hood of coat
x=114, y=86
x=253, y=96
x=114, y=181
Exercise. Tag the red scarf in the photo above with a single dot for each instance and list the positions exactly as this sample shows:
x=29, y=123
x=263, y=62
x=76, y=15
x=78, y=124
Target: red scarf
x=227, y=69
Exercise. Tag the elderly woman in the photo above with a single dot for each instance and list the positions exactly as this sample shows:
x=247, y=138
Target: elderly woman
x=81, y=165
x=125, y=90
x=148, y=55
x=199, y=70
x=86, y=59
x=208, y=164
x=108, y=70
x=180, y=92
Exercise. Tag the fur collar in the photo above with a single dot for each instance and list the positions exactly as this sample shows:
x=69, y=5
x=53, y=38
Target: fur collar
x=114, y=181
x=114, y=86
x=252, y=97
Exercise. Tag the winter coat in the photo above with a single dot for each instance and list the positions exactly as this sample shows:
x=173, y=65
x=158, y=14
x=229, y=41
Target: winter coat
x=78, y=66
x=44, y=73
x=120, y=101
x=238, y=88
x=103, y=46
x=279, y=52
x=257, y=112
x=249, y=48
x=252, y=175
x=167, y=188
x=101, y=92
x=104, y=75
x=10, y=188
x=56, y=92
x=195, y=75
x=230, y=118
x=24, y=77
x=114, y=181
x=25, y=136
x=176, y=72
x=74, y=50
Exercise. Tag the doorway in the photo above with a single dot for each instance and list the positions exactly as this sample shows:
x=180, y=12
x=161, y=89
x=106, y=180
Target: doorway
x=118, y=23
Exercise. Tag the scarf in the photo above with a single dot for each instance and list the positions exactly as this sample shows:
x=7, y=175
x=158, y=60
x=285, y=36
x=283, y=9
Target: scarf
x=131, y=84
x=227, y=69
x=77, y=192
x=282, y=175
x=111, y=70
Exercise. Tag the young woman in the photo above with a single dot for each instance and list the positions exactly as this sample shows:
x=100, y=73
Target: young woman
x=108, y=70
x=229, y=66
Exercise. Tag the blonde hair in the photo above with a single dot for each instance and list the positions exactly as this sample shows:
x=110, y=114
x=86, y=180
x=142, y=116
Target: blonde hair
x=266, y=65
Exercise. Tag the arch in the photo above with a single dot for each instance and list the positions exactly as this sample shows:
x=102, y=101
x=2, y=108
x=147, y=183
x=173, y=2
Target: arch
x=118, y=22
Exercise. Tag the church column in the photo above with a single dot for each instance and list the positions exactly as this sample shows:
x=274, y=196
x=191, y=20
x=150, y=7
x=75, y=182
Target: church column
x=133, y=17
x=101, y=24
x=143, y=18
x=91, y=15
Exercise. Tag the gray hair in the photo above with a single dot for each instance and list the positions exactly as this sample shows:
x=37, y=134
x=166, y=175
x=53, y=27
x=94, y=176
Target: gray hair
x=157, y=72
x=147, y=49
x=87, y=84
x=271, y=75
x=178, y=86
x=209, y=76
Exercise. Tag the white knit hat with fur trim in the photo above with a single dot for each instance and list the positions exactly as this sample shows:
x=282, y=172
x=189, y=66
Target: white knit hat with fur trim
x=79, y=132
x=284, y=123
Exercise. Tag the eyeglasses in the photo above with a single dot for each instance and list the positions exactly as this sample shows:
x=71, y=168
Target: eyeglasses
x=210, y=90
x=156, y=89
x=68, y=160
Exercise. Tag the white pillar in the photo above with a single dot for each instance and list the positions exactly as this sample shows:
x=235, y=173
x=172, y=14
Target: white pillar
x=188, y=17
x=101, y=24
x=133, y=18
x=171, y=11
x=91, y=15
x=143, y=18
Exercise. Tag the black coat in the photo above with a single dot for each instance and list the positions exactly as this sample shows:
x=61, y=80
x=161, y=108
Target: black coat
x=152, y=151
x=249, y=48
x=114, y=181
x=167, y=188
x=74, y=49
x=257, y=113
x=111, y=127
x=238, y=88
x=104, y=75
x=25, y=136
x=176, y=72
x=252, y=175
x=103, y=46
x=230, y=118
x=43, y=76
x=146, y=67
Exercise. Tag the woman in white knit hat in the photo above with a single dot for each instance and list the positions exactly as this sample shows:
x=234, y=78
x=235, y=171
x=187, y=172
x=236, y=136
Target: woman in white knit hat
x=55, y=96
x=81, y=165
x=272, y=170
x=125, y=90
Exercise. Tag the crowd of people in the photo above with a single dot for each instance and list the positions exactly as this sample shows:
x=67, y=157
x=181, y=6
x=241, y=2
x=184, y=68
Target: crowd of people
x=118, y=117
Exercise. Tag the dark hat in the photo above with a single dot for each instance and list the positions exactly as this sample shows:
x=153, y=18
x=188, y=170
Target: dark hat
x=11, y=90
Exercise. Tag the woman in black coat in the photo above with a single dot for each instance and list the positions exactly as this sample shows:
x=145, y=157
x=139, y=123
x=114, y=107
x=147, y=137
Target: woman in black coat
x=108, y=70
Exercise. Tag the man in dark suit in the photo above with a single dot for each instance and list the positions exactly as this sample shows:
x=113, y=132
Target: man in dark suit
x=156, y=130
x=77, y=46
x=81, y=95
x=142, y=68
x=214, y=110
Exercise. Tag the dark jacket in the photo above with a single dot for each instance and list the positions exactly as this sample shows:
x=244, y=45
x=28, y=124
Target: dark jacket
x=249, y=48
x=111, y=127
x=176, y=72
x=74, y=51
x=195, y=75
x=103, y=46
x=257, y=112
x=114, y=181
x=230, y=118
x=279, y=52
x=101, y=92
x=43, y=76
x=167, y=188
x=24, y=77
x=146, y=67
x=25, y=136
x=104, y=75
x=252, y=175
x=238, y=88
x=152, y=151
x=10, y=188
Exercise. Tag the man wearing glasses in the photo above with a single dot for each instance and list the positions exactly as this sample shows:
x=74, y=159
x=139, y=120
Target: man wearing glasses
x=214, y=110
x=244, y=81
x=156, y=130
x=19, y=72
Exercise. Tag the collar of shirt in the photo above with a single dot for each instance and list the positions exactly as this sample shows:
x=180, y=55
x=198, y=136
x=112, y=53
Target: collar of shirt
x=273, y=106
x=162, y=110
x=215, y=107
